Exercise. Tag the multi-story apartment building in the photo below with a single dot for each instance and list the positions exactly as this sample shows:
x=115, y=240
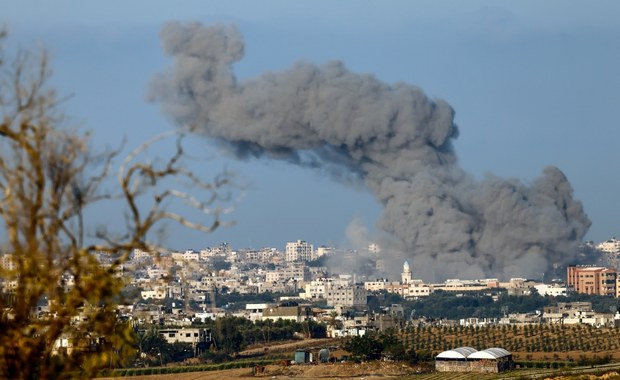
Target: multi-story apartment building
x=609, y=246
x=317, y=289
x=376, y=285
x=187, y=256
x=298, y=251
x=298, y=272
x=259, y=256
x=139, y=255
x=592, y=280
x=346, y=296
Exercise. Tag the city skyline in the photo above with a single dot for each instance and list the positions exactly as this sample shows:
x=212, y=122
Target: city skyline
x=531, y=87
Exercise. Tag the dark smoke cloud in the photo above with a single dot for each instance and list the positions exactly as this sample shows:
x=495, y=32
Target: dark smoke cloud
x=392, y=138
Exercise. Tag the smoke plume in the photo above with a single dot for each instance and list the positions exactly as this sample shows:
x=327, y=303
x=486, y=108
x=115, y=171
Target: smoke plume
x=392, y=138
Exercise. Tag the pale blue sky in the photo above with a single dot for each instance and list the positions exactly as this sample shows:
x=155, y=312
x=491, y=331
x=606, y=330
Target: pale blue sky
x=532, y=83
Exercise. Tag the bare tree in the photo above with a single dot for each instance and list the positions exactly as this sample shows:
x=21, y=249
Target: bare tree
x=49, y=177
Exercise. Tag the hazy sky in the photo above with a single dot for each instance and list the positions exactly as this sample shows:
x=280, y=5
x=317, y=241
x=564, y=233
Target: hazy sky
x=532, y=83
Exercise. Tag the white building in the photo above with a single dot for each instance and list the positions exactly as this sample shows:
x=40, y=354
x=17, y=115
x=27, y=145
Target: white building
x=323, y=251
x=295, y=271
x=254, y=311
x=187, y=256
x=406, y=275
x=298, y=251
x=317, y=289
x=553, y=290
x=610, y=246
x=156, y=293
x=186, y=335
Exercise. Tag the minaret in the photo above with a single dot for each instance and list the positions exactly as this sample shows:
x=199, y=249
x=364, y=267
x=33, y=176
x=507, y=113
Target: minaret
x=406, y=276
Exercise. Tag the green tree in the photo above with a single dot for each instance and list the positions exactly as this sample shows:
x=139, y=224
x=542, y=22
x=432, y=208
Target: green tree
x=364, y=347
x=227, y=334
x=157, y=350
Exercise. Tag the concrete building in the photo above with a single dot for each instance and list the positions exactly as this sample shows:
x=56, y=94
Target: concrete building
x=294, y=271
x=289, y=311
x=346, y=296
x=592, y=280
x=406, y=275
x=414, y=289
x=317, y=289
x=254, y=311
x=456, y=285
x=298, y=251
x=376, y=285
x=572, y=313
x=553, y=290
x=467, y=359
x=609, y=246
x=199, y=338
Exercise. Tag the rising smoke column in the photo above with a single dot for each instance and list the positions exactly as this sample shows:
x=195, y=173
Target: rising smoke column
x=393, y=138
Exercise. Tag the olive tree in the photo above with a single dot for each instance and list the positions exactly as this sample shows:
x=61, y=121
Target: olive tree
x=51, y=253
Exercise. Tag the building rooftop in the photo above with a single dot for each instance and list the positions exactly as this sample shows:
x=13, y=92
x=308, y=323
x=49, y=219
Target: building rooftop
x=489, y=353
x=457, y=353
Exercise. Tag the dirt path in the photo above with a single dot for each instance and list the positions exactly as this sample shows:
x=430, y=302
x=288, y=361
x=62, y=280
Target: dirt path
x=289, y=346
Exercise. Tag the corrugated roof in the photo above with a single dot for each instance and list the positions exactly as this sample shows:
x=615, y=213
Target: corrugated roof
x=457, y=353
x=489, y=353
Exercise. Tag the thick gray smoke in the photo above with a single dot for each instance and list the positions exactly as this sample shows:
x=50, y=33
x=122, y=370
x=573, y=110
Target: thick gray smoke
x=393, y=138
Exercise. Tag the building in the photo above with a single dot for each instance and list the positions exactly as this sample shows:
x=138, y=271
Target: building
x=298, y=251
x=553, y=290
x=376, y=285
x=199, y=338
x=346, y=296
x=298, y=272
x=406, y=275
x=610, y=246
x=468, y=359
x=288, y=311
x=457, y=285
x=254, y=311
x=414, y=289
x=571, y=313
x=592, y=280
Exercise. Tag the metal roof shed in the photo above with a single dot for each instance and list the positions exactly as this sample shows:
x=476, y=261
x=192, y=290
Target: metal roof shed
x=490, y=353
x=460, y=353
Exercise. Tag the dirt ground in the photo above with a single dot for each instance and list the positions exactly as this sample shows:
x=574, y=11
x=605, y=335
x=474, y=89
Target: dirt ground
x=339, y=371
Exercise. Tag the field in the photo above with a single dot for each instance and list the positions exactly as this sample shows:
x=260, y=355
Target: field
x=541, y=351
x=381, y=370
x=566, y=343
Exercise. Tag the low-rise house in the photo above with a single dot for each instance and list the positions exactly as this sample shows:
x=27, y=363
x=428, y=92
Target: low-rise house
x=288, y=311
x=553, y=290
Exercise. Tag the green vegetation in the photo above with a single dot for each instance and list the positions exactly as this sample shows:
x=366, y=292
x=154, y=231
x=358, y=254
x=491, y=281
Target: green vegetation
x=448, y=305
x=547, y=342
x=233, y=334
x=373, y=346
